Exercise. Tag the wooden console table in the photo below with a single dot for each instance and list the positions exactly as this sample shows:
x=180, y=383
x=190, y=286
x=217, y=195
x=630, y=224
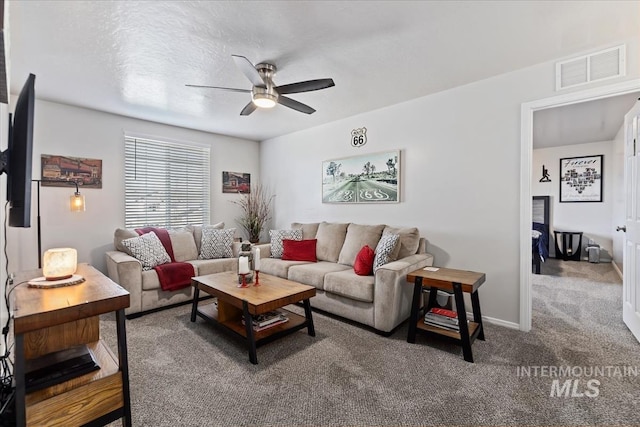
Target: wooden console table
x=448, y=279
x=50, y=320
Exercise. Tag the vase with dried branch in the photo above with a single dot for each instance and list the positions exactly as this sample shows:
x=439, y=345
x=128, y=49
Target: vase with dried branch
x=256, y=210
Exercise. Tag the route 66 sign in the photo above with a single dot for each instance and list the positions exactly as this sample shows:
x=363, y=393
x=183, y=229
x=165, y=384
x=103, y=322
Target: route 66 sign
x=359, y=137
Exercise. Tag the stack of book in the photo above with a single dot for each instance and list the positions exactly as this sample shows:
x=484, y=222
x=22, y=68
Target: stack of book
x=442, y=318
x=268, y=320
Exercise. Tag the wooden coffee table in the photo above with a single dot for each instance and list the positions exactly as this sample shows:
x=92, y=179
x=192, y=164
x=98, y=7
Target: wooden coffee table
x=234, y=303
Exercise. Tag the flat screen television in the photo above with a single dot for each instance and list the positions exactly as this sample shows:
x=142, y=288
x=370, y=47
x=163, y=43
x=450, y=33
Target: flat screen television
x=17, y=159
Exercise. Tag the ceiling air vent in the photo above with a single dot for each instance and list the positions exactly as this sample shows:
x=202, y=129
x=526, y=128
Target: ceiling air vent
x=606, y=64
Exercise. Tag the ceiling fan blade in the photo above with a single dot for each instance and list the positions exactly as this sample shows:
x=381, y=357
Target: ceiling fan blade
x=248, y=109
x=293, y=104
x=307, y=86
x=230, y=89
x=249, y=70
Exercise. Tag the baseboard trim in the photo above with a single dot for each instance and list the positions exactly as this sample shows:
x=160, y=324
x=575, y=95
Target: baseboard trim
x=617, y=269
x=494, y=321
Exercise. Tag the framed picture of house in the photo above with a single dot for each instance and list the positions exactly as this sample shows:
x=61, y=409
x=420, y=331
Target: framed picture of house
x=66, y=171
x=581, y=179
x=368, y=178
x=236, y=182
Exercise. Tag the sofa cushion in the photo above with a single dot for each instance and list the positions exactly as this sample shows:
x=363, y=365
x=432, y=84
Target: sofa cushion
x=308, y=230
x=299, y=250
x=363, y=266
x=216, y=243
x=278, y=267
x=347, y=283
x=147, y=249
x=211, y=266
x=357, y=237
x=197, y=232
x=313, y=274
x=120, y=235
x=184, y=245
x=330, y=238
x=385, y=248
x=276, y=240
x=408, y=242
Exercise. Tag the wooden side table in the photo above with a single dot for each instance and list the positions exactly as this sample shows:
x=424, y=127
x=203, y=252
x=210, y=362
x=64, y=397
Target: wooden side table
x=50, y=320
x=448, y=279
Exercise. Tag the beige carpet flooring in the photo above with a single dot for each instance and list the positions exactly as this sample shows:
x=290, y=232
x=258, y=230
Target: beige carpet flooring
x=194, y=374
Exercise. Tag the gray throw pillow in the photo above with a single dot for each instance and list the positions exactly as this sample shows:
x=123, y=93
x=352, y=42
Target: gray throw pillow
x=216, y=243
x=276, y=240
x=148, y=250
x=386, y=245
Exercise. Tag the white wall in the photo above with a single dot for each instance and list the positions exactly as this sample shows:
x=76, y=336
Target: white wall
x=593, y=219
x=66, y=130
x=461, y=173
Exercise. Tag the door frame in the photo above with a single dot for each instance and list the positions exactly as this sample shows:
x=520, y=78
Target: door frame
x=526, y=156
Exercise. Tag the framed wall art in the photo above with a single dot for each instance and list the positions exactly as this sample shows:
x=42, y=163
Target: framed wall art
x=236, y=182
x=368, y=178
x=581, y=179
x=65, y=171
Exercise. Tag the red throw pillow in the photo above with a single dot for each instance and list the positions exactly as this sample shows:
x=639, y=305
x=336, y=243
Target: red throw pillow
x=363, y=266
x=299, y=250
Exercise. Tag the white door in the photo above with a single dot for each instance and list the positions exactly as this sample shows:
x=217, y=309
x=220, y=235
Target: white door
x=631, y=264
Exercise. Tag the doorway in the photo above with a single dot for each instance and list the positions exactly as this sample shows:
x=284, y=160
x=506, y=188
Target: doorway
x=526, y=140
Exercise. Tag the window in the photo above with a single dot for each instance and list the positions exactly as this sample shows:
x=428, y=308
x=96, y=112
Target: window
x=166, y=183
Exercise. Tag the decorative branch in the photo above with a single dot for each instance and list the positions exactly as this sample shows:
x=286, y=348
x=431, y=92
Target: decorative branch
x=256, y=210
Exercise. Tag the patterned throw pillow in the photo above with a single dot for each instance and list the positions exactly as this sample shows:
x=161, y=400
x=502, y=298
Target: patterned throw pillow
x=216, y=243
x=385, y=247
x=148, y=250
x=276, y=240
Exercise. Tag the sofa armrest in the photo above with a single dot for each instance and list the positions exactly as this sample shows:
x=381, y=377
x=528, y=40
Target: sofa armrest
x=126, y=271
x=392, y=294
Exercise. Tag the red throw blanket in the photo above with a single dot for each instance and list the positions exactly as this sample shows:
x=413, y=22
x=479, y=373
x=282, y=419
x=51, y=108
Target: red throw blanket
x=174, y=275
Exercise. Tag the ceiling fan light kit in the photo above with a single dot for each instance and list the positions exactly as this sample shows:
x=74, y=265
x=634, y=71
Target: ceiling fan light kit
x=263, y=97
x=265, y=94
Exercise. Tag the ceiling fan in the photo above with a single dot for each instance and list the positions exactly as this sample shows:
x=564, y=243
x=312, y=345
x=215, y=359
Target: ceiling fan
x=265, y=94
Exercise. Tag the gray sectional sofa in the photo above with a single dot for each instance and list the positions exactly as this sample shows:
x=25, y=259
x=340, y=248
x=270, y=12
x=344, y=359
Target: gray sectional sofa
x=381, y=300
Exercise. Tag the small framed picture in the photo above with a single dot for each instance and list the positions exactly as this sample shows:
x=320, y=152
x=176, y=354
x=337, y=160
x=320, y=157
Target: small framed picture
x=581, y=179
x=236, y=182
x=67, y=171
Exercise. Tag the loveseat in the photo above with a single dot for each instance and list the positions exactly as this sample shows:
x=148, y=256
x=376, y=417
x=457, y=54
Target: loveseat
x=144, y=285
x=381, y=300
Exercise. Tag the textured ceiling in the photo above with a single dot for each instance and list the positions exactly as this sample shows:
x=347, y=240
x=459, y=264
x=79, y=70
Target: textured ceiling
x=134, y=58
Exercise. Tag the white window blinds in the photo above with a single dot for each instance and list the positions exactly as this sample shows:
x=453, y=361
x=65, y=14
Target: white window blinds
x=166, y=184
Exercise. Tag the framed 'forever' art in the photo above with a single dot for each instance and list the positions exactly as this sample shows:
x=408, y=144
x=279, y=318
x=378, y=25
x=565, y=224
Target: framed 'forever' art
x=581, y=179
